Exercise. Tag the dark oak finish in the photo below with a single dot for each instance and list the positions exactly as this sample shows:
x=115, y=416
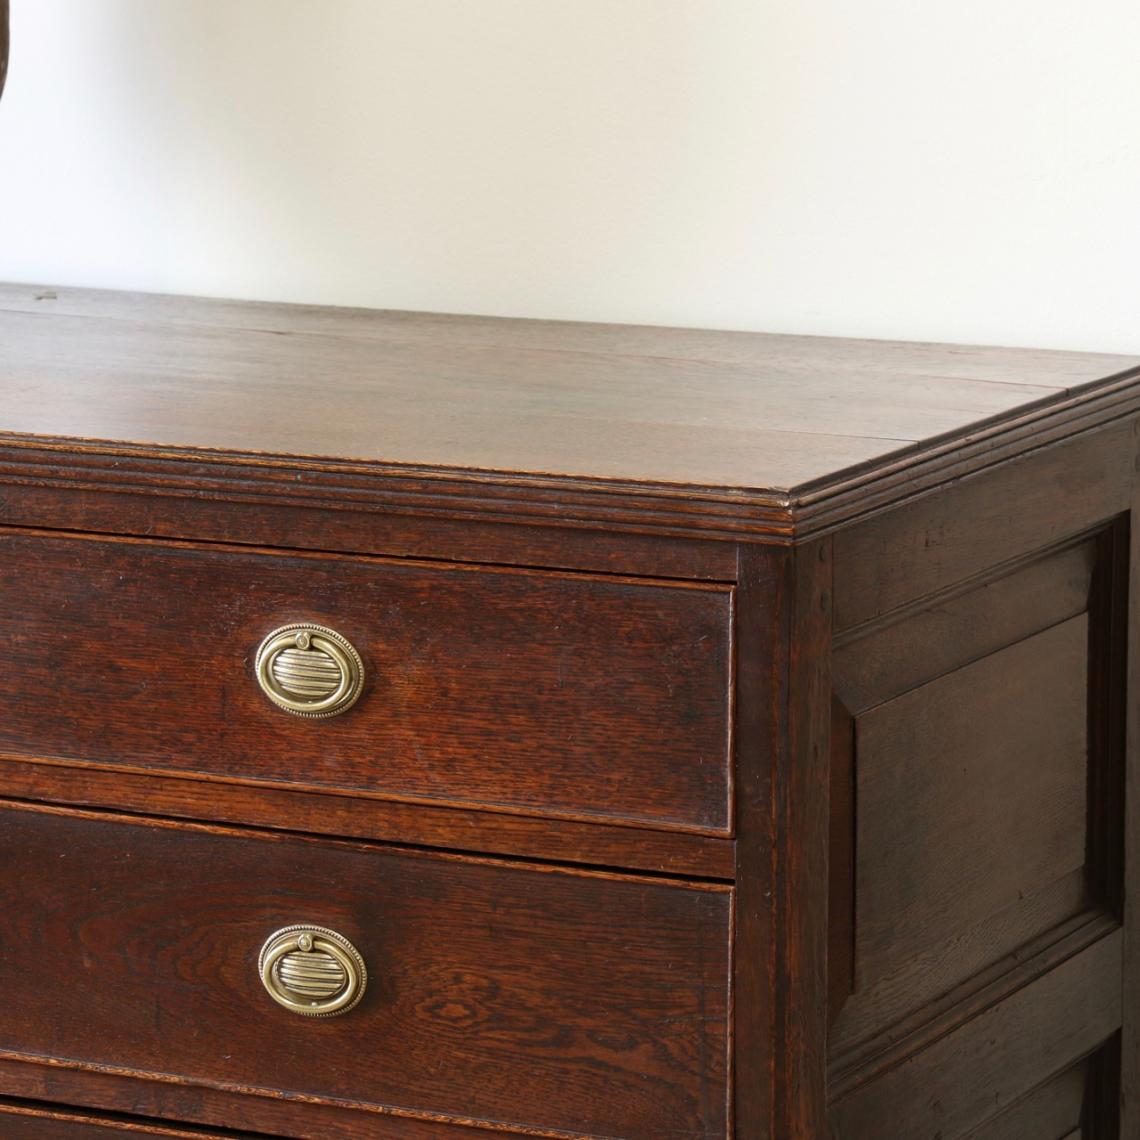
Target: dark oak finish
x=717, y=434
x=141, y=954
x=750, y=751
x=935, y=542
x=1055, y=1109
x=559, y=840
x=985, y=681
x=25, y=1122
x=949, y=829
x=996, y=1058
x=539, y=693
x=279, y=1116
x=1130, y=1034
x=35, y=499
x=546, y=405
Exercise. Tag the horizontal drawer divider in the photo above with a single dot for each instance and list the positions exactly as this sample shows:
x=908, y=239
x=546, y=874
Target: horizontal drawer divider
x=422, y=826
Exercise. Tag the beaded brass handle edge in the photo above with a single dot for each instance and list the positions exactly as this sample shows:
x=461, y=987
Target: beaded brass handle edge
x=332, y=956
x=309, y=670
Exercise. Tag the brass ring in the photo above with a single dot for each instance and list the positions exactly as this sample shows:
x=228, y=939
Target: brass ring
x=312, y=971
x=309, y=670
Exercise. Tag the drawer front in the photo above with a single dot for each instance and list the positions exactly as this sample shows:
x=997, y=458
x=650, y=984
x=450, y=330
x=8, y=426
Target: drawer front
x=569, y=695
x=544, y=999
x=18, y=1122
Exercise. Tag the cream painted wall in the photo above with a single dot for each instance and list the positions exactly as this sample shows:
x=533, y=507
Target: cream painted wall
x=902, y=168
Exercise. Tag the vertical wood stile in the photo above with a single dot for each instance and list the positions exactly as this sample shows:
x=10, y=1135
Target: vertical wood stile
x=1130, y=1032
x=783, y=820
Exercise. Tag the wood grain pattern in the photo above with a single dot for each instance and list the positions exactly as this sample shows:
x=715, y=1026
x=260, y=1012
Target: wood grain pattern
x=951, y=628
x=1130, y=1033
x=978, y=643
x=754, y=350
x=803, y=824
x=981, y=626
x=943, y=984
x=292, y=1118
x=64, y=505
x=828, y=636
x=762, y=640
x=962, y=1081
x=781, y=966
x=581, y=697
x=157, y=928
x=1054, y=1110
x=688, y=430
x=22, y=1122
x=841, y=865
x=429, y=825
x=536, y=410
x=972, y=794
x=1028, y=505
x=1102, y=1116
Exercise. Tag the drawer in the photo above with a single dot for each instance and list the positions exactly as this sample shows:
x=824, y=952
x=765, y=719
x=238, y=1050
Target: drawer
x=542, y=999
x=553, y=694
x=23, y=1122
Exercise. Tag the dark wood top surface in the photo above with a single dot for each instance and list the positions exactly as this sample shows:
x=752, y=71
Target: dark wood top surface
x=653, y=408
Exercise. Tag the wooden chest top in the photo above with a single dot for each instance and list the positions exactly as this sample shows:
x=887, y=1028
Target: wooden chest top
x=751, y=428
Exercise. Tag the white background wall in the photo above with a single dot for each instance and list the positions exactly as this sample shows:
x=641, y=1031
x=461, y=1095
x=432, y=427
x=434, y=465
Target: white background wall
x=903, y=168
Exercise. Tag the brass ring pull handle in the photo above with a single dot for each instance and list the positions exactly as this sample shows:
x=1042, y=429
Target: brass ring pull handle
x=309, y=670
x=312, y=971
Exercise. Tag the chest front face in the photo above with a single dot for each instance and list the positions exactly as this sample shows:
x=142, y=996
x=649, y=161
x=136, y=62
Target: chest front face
x=353, y=798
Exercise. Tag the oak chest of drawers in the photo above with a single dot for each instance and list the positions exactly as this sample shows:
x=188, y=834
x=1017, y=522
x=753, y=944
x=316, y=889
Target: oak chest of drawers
x=434, y=728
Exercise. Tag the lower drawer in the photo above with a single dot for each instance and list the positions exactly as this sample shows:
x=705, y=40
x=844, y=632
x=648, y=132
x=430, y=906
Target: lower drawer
x=558, y=1001
x=19, y=1122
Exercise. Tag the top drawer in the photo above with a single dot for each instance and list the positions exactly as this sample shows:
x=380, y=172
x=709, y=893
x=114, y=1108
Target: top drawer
x=543, y=693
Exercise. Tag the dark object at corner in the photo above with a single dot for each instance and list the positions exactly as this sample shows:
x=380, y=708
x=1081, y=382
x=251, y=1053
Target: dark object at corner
x=3, y=43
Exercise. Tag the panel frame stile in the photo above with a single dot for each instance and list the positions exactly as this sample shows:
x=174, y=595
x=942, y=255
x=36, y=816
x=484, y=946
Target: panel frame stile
x=783, y=823
x=1130, y=1032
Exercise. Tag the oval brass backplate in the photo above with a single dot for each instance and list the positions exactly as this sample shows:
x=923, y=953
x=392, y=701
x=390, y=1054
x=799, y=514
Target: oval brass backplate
x=309, y=670
x=312, y=971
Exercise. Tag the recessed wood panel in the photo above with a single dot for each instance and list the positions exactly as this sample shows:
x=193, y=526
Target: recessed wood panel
x=963, y=1081
x=972, y=797
x=987, y=737
x=1038, y=501
x=1052, y=1112
x=948, y=755
x=961, y=625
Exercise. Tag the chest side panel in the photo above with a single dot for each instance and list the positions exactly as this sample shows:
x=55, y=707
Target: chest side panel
x=978, y=780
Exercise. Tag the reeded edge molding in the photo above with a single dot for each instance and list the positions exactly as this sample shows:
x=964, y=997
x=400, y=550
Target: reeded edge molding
x=666, y=510
x=822, y=507
x=519, y=499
